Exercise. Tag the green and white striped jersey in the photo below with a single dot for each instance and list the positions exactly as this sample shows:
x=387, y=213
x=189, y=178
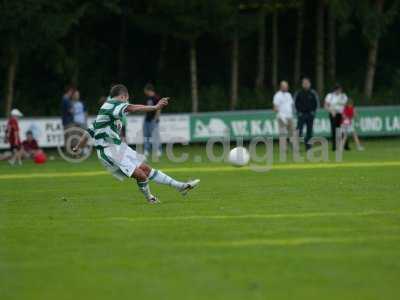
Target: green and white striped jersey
x=107, y=127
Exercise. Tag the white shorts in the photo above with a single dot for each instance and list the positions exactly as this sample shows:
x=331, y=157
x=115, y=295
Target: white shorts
x=120, y=160
x=348, y=128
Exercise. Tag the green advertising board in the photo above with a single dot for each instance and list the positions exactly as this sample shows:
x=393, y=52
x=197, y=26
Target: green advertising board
x=370, y=121
x=186, y=128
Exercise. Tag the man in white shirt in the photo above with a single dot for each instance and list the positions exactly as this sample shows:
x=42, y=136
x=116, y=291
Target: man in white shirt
x=283, y=105
x=79, y=113
x=334, y=104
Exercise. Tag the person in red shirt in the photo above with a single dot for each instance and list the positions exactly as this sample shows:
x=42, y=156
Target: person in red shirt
x=12, y=136
x=30, y=146
x=349, y=113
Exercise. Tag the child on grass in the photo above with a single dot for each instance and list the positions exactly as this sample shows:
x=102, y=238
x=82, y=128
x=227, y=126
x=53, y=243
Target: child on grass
x=12, y=137
x=349, y=113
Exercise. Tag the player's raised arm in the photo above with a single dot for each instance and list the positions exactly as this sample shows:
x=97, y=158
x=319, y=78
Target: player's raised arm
x=146, y=108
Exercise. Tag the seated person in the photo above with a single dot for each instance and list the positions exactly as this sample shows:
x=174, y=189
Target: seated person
x=30, y=146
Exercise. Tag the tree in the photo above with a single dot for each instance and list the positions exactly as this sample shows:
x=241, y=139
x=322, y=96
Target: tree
x=237, y=24
x=260, y=78
x=234, y=72
x=375, y=19
x=320, y=47
x=79, y=33
x=275, y=50
x=331, y=44
x=340, y=18
x=12, y=54
x=187, y=20
x=122, y=46
x=26, y=29
x=299, y=42
x=193, y=75
x=240, y=26
x=151, y=19
x=272, y=7
x=162, y=57
x=76, y=51
x=277, y=6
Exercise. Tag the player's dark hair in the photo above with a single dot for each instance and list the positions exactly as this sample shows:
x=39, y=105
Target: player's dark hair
x=149, y=87
x=117, y=90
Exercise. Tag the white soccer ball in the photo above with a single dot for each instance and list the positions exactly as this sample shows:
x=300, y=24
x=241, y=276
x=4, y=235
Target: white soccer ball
x=239, y=156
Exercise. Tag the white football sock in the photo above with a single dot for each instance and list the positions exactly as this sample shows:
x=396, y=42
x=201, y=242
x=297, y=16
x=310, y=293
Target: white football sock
x=145, y=188
x=163, y=178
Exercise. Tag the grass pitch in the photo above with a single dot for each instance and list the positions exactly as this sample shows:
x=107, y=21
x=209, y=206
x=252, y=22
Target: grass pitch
x=300, y=231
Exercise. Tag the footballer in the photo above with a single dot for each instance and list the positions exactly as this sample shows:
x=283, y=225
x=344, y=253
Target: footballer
x=115, y=155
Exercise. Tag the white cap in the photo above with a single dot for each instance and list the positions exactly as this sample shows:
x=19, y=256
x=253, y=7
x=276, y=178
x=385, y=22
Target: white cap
x=16, y=113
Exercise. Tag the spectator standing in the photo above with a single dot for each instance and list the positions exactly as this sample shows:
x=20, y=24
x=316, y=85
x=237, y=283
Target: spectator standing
x=151, y=129
x=79, y=113
x=334, y=104
x=349, y=113
x=306, y=102
x=66, y=111
x=12, y=137
x=66, y=107
x=283, y=105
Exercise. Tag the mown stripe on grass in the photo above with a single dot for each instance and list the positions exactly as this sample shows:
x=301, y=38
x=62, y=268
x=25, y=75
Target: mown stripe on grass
x=294, y=241
x=212, y=169
x=255, y=216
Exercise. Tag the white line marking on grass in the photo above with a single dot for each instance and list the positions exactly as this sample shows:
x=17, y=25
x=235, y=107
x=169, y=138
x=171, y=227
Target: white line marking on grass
x=209, y=169
x=294, y=241
x=255, y=216
x=54, y=175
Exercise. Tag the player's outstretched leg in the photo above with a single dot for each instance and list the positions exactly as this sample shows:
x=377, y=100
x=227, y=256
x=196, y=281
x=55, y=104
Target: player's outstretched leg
x=143, y=183
x=162, y=178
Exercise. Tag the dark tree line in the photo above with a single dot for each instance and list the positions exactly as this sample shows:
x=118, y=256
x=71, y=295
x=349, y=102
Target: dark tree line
x=209, y=55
